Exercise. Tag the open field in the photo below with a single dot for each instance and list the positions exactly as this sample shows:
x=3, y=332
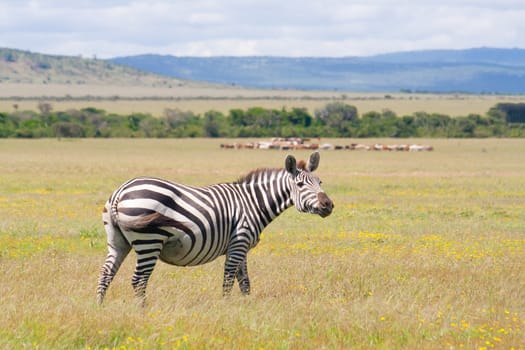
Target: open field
x=200, y=99
x=423, y=251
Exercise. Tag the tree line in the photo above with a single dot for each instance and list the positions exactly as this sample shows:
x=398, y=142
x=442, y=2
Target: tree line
x=335, y=119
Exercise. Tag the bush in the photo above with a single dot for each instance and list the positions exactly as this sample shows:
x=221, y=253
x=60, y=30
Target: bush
x=334, y=120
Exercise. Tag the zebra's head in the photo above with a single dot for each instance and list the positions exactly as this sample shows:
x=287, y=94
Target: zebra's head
x=307, y=195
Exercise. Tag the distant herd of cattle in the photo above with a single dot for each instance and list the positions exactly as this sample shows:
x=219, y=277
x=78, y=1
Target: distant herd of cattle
x=295, y=143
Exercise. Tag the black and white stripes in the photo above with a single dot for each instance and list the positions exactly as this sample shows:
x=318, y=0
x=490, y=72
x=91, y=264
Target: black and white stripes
x=185, y=225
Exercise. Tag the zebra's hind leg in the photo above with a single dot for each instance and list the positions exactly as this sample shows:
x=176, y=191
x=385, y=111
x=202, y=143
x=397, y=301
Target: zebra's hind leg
x=118, y=249
x=242, y=278
x=147, y=255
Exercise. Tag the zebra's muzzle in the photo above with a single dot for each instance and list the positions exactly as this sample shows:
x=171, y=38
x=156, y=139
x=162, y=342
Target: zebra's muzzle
x=325, y=205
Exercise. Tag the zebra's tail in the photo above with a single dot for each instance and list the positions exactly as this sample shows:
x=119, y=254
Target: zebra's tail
x=143, y=218
x=108, y=217
x=126, y=223
x=113, y=210
x=146, y=220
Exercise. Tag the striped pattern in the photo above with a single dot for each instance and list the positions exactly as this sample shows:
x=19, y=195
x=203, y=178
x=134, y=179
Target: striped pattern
x=184, y=225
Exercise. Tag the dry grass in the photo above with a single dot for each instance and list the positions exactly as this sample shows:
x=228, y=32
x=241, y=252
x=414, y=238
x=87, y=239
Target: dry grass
x=201, y=97
x=423, y=251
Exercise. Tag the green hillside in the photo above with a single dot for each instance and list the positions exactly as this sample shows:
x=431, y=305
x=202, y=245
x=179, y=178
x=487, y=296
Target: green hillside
x=18, y=66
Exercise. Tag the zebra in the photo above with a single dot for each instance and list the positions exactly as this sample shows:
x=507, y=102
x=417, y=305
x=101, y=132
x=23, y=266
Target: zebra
x=184, y=225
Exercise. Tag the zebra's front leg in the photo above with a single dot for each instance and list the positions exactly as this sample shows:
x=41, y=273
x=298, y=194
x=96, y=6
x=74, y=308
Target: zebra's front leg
x=242, y=278
x=232, y=265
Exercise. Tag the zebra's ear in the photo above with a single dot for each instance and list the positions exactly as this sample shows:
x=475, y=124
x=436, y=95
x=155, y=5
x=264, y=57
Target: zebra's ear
x=291, y=165
x=313, y=162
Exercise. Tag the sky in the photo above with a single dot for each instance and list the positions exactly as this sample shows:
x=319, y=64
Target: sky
x=294, y=28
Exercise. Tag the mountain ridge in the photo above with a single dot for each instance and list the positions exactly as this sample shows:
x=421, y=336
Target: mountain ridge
x=475, y=70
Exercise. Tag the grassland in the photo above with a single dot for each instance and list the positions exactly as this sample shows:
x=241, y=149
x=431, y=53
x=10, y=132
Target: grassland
x=200, y=98
x=423, y=251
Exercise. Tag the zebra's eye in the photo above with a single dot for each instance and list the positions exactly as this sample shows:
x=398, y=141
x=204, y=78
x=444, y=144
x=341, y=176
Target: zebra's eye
x=300, y=184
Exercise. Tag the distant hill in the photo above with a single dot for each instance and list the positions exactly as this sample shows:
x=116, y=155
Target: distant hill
x=18, y=66
x=479, y=70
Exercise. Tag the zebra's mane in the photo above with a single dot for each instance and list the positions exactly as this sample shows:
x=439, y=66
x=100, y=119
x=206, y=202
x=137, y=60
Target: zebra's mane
x=255, y=174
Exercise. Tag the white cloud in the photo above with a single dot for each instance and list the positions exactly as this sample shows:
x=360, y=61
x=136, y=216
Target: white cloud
x=273, y=27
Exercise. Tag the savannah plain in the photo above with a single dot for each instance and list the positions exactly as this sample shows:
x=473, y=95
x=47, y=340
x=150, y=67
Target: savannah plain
x=155, y=98
x=422, y=251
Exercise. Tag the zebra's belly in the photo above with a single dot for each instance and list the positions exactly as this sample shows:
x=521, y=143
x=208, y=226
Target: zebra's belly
x=175, y=250
x=179, y=251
